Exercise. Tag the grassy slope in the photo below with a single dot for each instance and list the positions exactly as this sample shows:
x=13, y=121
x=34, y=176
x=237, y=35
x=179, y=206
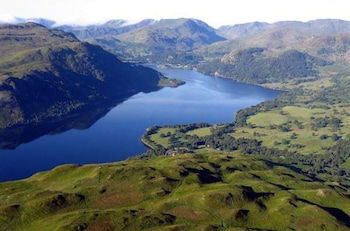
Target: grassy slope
x=205, y=191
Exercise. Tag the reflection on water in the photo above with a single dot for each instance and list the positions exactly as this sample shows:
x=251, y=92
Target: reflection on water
x=103, y=134
x=13, y=137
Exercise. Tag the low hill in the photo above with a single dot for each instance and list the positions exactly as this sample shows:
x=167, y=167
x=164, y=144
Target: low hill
x=204, y=191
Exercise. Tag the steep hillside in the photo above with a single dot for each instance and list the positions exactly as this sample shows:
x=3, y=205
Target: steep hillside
x=49, y=73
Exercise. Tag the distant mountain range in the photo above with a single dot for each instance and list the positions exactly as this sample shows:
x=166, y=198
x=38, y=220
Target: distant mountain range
x=191, y=43
x=253, y=52
x=313, y=28
x=110, y=28
x=16, y=20
x=318, y=27
x=160, y=40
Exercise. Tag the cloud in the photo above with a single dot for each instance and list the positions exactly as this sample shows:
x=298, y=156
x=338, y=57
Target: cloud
x=216, y=12
x=7, y=18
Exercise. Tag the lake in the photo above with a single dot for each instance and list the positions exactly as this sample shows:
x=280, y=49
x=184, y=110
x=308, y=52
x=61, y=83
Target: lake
x=112, y=134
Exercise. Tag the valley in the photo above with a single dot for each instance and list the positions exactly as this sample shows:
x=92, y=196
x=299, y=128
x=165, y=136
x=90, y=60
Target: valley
x=221, y=154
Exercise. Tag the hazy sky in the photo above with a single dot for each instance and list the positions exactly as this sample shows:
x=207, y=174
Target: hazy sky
x=214, y=12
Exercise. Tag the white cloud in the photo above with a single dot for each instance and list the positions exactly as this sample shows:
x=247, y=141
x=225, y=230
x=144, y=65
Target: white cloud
x=215, y=12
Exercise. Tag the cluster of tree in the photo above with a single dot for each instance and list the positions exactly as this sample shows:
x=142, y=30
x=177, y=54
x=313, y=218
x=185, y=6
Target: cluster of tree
x=334, y=123
x=338, y=93
x=190, y=127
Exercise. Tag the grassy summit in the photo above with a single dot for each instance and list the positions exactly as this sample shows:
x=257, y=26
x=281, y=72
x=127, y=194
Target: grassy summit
x=204, y=191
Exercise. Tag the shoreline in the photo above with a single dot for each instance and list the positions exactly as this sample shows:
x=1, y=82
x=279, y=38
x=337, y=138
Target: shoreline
x=142, y=140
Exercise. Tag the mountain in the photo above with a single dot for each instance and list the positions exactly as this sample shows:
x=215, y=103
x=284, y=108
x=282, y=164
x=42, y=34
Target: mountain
x=335, y=48
x=42, y=21
x=202, y=191
x=312, y=28
x=112, y=27
x=179, y=34
x=162, y=41
x=240, y=31
x=47, y=74
x=16, y=20
x=325, y=39
x=190, y=43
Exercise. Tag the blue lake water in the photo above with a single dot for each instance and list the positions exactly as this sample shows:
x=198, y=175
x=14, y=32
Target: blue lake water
x=116, y=135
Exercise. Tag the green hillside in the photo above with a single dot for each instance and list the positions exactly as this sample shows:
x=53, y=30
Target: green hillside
x=204, y=191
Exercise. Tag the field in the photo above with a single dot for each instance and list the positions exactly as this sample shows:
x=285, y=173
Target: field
x=162, y=137
x=292, y=128
x=200, y=132
x=166, y=136
x=268, y=118
x=210, y=190
x=306, y=130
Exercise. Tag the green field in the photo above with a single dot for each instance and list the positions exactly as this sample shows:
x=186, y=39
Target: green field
x=164, y=141
x=299, y=136
x=268, y=118
x=200, y=132
x=288, y=128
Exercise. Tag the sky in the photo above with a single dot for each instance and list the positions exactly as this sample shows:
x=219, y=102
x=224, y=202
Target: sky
x=214, y=12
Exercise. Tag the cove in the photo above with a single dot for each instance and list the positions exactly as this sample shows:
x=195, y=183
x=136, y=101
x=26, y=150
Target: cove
x=108, y=134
